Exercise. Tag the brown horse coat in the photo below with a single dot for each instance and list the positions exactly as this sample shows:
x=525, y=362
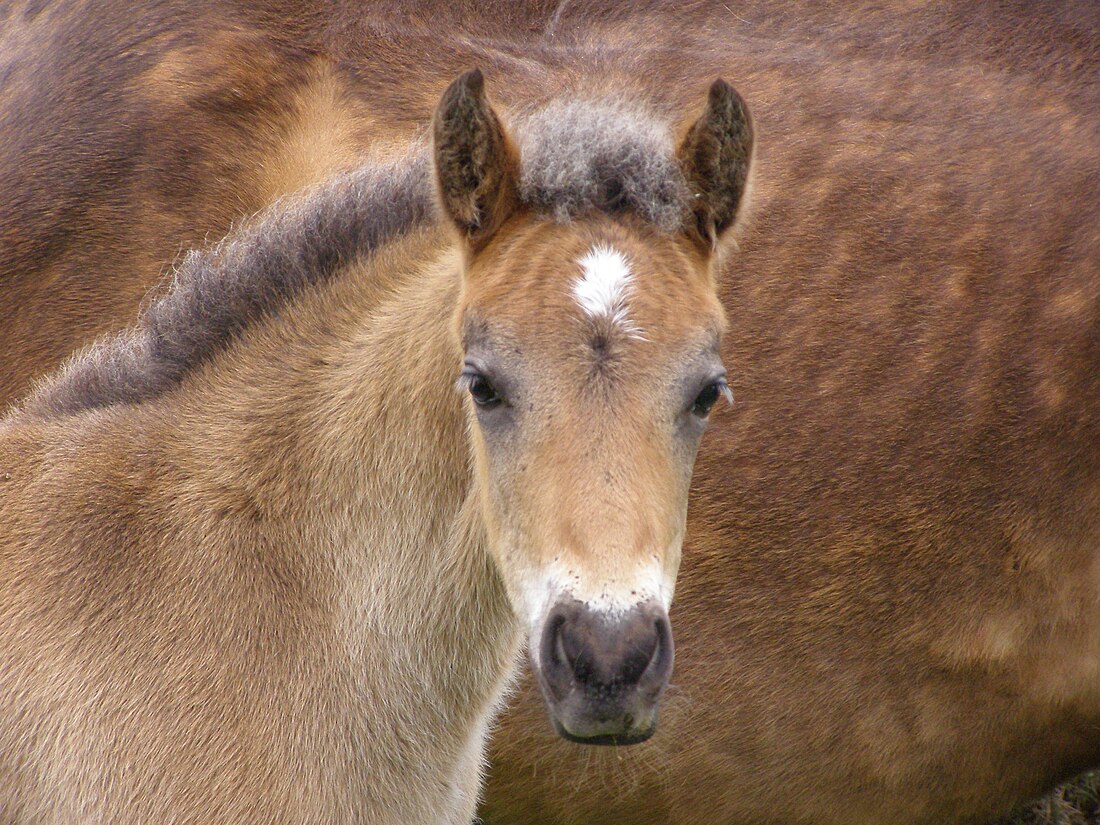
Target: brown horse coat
x=887, y=611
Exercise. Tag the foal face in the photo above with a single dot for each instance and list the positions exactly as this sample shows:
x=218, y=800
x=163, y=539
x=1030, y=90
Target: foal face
x=591, y=364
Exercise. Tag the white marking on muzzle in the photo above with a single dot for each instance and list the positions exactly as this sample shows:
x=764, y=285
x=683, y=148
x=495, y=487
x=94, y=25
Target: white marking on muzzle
x=559, y=581
x=603, y=289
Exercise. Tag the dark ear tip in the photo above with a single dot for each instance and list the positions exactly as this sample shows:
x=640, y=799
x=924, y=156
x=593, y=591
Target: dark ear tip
x=473, y=81
x=724, y=96
x=721, y=90
x=469, y=84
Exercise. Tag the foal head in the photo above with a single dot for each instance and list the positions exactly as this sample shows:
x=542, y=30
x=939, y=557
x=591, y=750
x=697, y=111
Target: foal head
x=591, y=328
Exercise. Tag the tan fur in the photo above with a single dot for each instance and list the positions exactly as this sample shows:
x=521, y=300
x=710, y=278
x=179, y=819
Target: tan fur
x=206, y=624
x=620, y=488
x=886, y=612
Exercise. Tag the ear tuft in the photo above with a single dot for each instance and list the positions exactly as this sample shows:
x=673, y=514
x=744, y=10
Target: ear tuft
x=476, y=163
x=715, y=156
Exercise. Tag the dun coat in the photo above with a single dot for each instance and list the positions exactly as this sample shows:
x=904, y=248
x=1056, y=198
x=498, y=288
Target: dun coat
x=887, y=607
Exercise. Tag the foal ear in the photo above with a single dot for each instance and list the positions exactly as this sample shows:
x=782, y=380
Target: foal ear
x=715, y=157
x=476, y=163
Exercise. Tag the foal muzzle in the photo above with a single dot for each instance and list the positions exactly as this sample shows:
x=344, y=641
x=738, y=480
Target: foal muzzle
x=603, y=674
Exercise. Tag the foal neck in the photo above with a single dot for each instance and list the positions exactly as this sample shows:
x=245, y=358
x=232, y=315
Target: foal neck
x=338, y=432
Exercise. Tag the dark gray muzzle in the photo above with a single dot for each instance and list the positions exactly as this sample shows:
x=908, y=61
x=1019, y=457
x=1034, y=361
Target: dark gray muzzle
x=603, y=674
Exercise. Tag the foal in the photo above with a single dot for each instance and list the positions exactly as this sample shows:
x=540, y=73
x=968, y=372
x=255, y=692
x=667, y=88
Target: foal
x=260, y=562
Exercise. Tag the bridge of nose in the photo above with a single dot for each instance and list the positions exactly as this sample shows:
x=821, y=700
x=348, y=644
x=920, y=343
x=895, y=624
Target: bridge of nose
x=606, y=520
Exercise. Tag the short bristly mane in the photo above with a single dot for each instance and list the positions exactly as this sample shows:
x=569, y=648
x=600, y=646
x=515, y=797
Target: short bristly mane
x=606, y=156
x=218, y=292
x=577, y=156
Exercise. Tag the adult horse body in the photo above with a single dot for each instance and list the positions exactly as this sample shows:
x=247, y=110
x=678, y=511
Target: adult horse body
x=887, y=612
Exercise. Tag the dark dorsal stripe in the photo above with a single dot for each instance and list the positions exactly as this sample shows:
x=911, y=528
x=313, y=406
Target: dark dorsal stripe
x=218, y=292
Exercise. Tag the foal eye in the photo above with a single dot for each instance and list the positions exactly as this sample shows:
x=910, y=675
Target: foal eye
x=473, y=380
x=705, y=400
x=483, y=392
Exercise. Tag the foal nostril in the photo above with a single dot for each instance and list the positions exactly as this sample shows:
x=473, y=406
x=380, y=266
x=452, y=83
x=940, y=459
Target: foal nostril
x=639, y=649
x=572, y=652
x=658, y=667
x=555, y=661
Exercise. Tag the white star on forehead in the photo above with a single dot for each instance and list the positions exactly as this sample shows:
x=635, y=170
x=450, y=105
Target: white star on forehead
x=603, y=288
